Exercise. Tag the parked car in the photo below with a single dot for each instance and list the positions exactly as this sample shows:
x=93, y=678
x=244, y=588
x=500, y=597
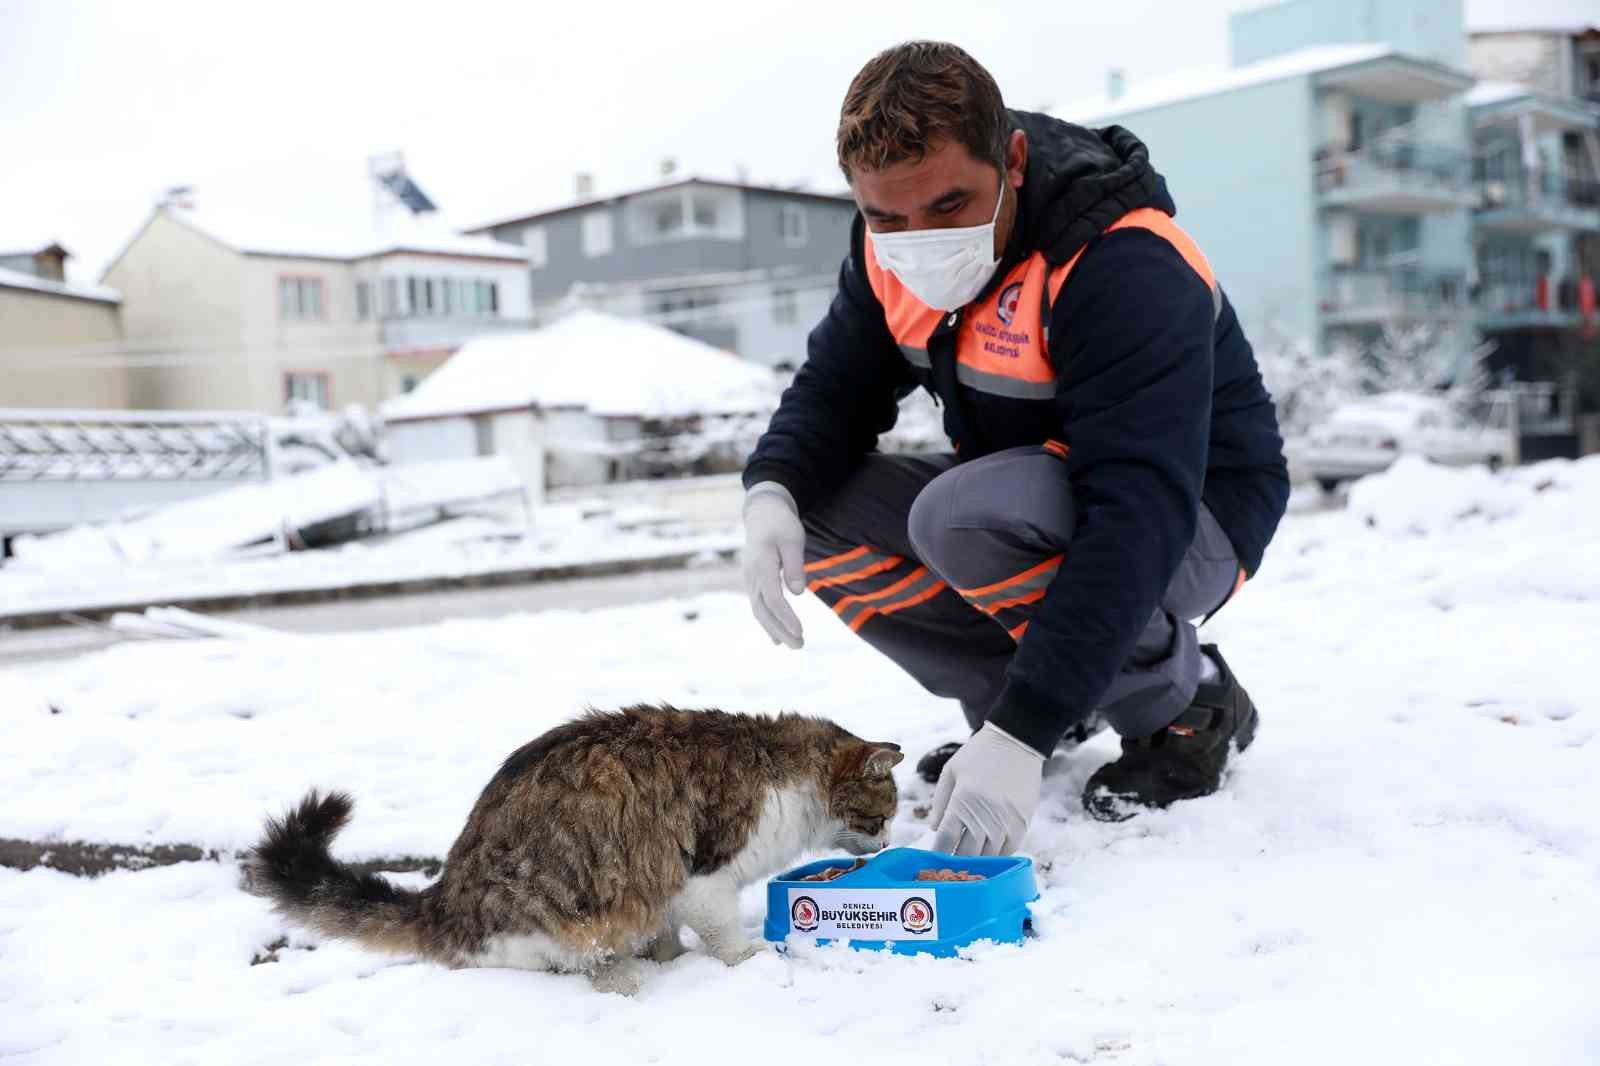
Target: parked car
x=1367, y=435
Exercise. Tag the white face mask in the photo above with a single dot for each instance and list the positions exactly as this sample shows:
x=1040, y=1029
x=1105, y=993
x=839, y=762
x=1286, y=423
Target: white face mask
x=944, y=268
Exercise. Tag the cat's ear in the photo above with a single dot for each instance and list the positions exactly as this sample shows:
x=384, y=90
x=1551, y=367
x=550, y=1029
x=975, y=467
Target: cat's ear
x=881, y=759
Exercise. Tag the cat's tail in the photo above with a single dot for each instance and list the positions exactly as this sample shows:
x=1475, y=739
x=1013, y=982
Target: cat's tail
x=293, y=867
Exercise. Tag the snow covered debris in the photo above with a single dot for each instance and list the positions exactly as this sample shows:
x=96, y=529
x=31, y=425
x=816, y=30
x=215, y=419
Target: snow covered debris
x=469, y=546
x=1399, y=871
x=208, y=526
x=591, y=360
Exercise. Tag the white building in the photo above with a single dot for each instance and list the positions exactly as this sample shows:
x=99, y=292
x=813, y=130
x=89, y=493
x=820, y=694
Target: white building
x=563, y=402
x=240, y=311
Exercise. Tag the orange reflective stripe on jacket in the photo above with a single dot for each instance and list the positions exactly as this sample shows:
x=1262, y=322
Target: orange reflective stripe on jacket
x=1002, y=347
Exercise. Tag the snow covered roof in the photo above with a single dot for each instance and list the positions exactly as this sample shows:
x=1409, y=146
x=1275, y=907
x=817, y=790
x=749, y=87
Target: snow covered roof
x=16, y=279
x=24, y=248
x=1488, y=99
x=842, y=199
x=360, y=239
x=1207, y=81
x=1494, y=92
x=591, y=360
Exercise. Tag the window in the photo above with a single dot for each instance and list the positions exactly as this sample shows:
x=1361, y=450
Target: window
x=784, y=309
x=363, y=299
x=538, y=245
x=792, y=225
x=408, y=382
x=705, y=213
x=391, y=296
x=597, y=233
x=487, y=297
x=299, y=298
x=413, y=296
x=307, y=387
x=429, y=296
x=668, y=217
x=447, y=296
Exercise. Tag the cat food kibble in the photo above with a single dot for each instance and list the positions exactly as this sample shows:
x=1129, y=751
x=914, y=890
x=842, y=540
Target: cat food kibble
x=947, y=875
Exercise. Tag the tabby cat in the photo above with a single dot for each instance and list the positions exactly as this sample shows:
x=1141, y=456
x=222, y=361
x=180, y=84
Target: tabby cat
x=596, y=842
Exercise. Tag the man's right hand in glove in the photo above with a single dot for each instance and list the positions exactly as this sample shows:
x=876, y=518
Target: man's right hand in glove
x=774, y=556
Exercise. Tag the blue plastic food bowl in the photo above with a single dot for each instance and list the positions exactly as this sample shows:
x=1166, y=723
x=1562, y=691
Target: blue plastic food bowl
x=883, y=905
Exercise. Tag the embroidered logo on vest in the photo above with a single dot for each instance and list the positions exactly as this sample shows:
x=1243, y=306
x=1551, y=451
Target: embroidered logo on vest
x=1007, y=307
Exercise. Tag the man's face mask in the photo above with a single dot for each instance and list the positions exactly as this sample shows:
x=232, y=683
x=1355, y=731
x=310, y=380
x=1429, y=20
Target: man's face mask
x=944, y=268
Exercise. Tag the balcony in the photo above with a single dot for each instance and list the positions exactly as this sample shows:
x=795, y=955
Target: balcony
x=402, y=334
x=1395, y=178
x=1371, y=297
x=1534, y=301
x=1537, y=202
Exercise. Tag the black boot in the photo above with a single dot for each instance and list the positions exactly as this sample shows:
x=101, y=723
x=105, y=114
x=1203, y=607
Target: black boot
x=1183, y=760
x=931, y=765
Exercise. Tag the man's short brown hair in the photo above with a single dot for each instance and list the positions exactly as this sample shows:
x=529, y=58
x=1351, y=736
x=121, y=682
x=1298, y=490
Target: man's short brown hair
x=915, y=95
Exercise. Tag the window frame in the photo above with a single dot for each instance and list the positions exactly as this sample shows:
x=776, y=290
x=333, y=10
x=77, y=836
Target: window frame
x=802, y=228
x=593, y=223
x=322, y=376
x=536, y=239
x=300, y=285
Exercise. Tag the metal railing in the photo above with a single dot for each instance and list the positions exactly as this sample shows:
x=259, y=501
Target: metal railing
x=1534, y=189
x=62, y=445
x=1411, y=161
x=1395, y=291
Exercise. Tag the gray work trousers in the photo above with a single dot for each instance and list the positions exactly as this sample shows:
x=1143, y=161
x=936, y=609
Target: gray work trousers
x=939, y=566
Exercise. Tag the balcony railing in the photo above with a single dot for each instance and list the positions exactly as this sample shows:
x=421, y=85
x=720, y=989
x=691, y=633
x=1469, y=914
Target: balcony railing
x=1498, y=301
x=1377, y=295
x=1509, y=300
x=1395, y=176
x=400, y=334
x=1537, y=200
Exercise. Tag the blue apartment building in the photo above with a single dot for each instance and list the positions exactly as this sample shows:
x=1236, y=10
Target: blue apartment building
x=1349, y=169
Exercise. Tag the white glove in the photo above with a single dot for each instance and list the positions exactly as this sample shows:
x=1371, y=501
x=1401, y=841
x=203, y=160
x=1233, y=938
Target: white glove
x=986, y=795
x=774, y=545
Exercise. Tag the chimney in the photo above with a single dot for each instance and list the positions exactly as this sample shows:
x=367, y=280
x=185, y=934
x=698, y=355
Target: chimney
x=669, y=167
x=1114, y=83
x=180, y=196
x=585, y=184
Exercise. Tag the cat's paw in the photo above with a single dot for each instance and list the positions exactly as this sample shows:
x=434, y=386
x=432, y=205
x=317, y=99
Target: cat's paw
x=742, y=953
x=665, y=948
x=620, y=977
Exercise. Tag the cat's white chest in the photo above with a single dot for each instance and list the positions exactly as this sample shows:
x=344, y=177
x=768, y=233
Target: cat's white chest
x=790, y=823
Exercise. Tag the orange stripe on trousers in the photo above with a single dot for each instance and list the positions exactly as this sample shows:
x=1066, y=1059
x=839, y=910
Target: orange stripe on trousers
x=1016, y=601
x=834, y=560
x=866, y=571
x=1033, y=571
x=882, y=594
x=910, y=601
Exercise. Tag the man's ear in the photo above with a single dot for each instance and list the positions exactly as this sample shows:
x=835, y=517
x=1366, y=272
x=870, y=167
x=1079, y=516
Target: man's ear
x=1016, y=158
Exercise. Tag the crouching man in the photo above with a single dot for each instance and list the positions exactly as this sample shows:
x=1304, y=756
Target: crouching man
x=1115, y=469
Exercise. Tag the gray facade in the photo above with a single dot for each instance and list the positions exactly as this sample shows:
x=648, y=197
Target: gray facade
x=747, y=268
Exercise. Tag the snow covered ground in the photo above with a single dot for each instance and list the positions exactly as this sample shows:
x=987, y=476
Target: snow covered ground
x=1404, y=869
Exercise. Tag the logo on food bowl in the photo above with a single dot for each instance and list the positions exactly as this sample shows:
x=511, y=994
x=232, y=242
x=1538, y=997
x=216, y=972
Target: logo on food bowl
x=1007, y=308
x=803, y=914
x=916, y=915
